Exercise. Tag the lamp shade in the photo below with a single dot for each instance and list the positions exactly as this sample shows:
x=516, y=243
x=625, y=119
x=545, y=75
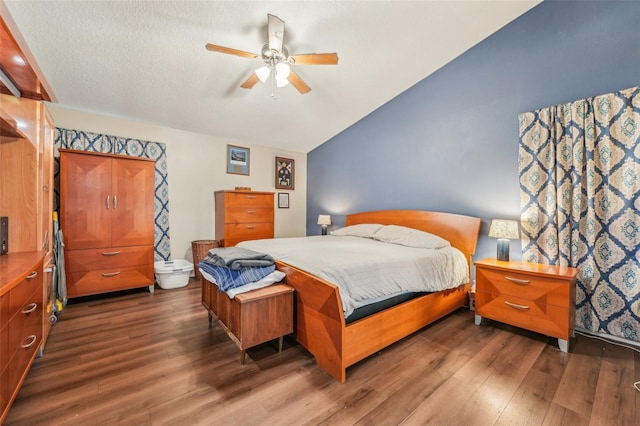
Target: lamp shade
x=504, y=229
x=263, y=73
x=324, y=219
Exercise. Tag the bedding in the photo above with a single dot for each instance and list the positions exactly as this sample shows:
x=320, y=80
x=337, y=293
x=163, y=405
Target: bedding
x=226, y=278
x=237, y=258
x=272, y=278
x=366, y=269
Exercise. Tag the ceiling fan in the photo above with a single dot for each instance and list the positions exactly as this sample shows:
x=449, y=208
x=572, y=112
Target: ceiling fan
x=277, y=59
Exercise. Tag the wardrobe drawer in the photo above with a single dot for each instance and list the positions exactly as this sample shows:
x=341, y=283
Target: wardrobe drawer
x=239, y=199
x=107, y=258
x=84, y=283
x=248, y=215
x=553, y=291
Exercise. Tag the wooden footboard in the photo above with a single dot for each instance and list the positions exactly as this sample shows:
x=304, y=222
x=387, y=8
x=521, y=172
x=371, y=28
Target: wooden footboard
x=319, y=320
x=320, y=326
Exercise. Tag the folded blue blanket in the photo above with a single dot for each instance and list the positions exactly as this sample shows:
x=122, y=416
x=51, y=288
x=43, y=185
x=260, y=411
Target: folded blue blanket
x=231, y=278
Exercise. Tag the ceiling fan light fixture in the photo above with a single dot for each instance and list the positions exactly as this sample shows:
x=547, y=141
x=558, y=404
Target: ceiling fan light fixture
x=281, y=81
x=282, y=73
x=283, y=69
x=263, y=73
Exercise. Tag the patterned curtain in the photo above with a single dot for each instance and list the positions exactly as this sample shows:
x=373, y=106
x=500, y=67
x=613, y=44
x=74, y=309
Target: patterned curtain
x=86, y=141
x=579, y=167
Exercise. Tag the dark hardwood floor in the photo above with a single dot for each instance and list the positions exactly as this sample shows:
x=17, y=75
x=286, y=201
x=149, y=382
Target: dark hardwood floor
x=142, y=359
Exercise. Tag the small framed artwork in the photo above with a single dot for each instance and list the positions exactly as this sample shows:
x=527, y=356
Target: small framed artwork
x=283, y=200
x=285, y=173
x=238, y=160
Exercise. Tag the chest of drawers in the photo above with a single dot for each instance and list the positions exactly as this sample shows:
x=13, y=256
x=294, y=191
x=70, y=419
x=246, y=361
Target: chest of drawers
x=533, y=296
x=243, y=215
x=21, y=322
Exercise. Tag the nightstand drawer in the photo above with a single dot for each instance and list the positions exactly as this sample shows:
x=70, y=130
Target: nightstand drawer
x=534, y=315
x=533, y=288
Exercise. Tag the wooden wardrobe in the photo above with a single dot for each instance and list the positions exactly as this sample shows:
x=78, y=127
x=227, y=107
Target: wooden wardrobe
x=107, y=219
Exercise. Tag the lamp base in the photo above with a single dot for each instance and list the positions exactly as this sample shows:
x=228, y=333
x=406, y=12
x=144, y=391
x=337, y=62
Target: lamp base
x=324, y=229
x=503, y=250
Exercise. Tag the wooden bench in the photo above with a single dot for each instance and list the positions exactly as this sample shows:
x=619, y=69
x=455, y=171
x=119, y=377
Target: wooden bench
x=251, y=318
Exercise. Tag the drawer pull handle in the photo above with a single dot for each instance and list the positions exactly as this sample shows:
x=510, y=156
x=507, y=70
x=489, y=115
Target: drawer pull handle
x=516, y=306
x=28, y=345
x=106, y=202
x=518, y=281
x=115, y=202
x=32, y=275
x=251, y=211
x=251, y=197
x=110, y=274
x=30, y=308
x=110, y=253
x=251, y=227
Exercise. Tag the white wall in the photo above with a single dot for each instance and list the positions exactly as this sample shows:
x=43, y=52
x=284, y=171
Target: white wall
x=197, y=167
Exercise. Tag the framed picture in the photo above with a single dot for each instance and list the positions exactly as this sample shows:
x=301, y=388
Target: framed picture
x=283, y=200
x=285, y=173
x=237, y=160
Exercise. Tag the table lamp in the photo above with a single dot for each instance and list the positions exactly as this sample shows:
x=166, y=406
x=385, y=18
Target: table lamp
x=504, y=230
x=324, y=220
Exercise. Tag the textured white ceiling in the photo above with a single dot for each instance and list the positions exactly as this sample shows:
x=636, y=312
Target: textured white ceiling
x=146, y=60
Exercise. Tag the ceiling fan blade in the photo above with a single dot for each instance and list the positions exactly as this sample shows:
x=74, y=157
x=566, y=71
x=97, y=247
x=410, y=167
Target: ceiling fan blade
x=315, y=59
x=230, y=51
x=297, y=82
x=250, y=82
x=276, y=33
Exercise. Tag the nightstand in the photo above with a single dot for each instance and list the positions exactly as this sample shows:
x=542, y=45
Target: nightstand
x=537, y=297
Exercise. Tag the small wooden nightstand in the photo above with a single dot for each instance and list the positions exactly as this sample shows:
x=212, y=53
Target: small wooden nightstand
x=537, y=297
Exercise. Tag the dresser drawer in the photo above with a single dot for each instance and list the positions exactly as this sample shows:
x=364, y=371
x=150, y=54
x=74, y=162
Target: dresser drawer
x=239, y=199
x=25, y=336
x=22, y=293
x=535, y=315
x=248, y=215
x=108, y=258
x=84, y=283
x=247, y=231
x=529, y=287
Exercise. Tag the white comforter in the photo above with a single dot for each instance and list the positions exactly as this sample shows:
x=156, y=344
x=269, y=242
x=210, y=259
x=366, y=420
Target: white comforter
x=365, y=269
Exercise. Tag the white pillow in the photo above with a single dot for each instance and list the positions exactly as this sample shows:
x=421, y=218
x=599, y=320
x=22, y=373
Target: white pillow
x=363, y=230
x=410, y=237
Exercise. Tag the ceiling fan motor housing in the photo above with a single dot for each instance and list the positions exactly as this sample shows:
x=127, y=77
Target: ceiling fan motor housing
x=272, y=57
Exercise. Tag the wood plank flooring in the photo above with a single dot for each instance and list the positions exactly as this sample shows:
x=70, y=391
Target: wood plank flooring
x=152, y=359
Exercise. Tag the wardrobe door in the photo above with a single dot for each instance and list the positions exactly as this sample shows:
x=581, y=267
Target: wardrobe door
x=86, y=200
x=132, y=221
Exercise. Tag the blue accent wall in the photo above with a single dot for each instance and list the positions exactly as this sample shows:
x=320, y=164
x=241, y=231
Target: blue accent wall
x=450, y=143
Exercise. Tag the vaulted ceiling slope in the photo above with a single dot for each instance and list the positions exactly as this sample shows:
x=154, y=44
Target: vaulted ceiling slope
x=146, y=60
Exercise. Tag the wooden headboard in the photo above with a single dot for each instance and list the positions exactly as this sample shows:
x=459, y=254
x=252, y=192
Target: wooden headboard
x=461, y=231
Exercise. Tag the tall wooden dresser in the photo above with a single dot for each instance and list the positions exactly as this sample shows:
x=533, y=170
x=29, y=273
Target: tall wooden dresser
x=26, y=188
x=106, y=214
x=243, y=215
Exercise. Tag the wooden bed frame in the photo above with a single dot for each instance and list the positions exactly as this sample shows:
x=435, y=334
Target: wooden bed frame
x=319, y=319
